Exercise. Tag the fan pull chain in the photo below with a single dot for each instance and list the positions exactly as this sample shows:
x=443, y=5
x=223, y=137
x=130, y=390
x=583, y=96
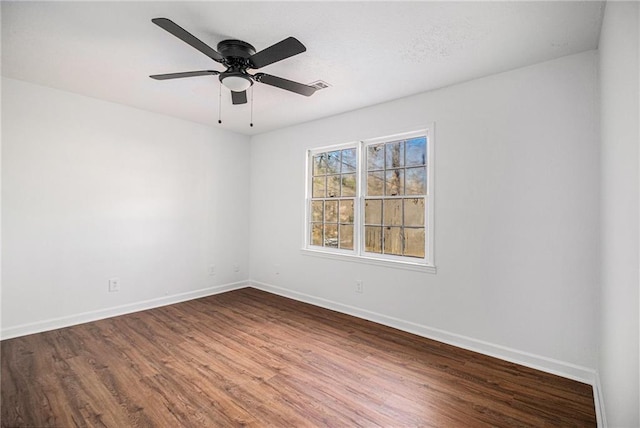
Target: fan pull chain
x=251, y=123
x=219, y=102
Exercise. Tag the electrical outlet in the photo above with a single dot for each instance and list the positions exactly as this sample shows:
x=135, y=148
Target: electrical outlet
x=236, y=268
x=276, y=269
x=114, y=285
x=212, y=270
x=359, y=287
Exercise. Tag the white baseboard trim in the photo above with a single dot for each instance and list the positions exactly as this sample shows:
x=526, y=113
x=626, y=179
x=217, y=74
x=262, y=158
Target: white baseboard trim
x=84, y=317
x=598, y=397
x=549, y=365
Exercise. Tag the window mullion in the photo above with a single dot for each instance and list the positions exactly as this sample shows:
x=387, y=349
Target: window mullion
x=361, y=194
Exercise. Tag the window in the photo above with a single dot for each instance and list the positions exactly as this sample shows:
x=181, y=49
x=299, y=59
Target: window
x=373, y=200
x=333, y=192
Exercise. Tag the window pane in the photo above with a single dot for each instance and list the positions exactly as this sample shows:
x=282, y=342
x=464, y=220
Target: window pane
x=392, y=212
x=331, y=235
x=333, y=162
x=317, y=210
x=346, y=211
x=346, y=236
x=331, y=211
x=349, y=160
x=414, y=212
x=316, y=234
x=395, y=155
x=394, y=183
x=414, y=242
x=333, y=186
x=416, y=181
x=393, y=240
x=375, y=183
x=319, y=164
x=318, y=187
x=416, y=151
x=373, y=239
x=373, y=211
x=349, y=185
x=375, y=157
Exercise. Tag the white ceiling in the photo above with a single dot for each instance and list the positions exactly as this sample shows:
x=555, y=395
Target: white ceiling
x=369, y=52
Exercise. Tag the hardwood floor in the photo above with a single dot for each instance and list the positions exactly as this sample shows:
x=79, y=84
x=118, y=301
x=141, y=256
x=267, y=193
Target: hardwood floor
x=251, y=358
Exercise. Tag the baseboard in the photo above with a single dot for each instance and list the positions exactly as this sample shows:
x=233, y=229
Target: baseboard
x=81, y=318
x=598, y=398
x=549, y=365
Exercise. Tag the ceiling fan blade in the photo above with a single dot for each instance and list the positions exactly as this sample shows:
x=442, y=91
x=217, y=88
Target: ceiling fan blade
x=184, y=74
x=281, y=50
x=288, y=85
x=188, y=38
x=239, y=97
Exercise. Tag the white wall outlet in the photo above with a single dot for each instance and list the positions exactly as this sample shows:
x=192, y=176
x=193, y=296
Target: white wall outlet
x=236, y=267
x=114, y=285
x=212, y=270
x=276, y=269
x=359, y=287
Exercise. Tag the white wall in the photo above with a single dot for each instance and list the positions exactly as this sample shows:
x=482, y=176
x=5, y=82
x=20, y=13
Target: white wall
x=517, y=217
x=620, y=113
x=93, y=190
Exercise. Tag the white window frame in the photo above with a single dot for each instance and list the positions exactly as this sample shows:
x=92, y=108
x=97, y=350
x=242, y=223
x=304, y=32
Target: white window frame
x=308, y=198
x=358, y=254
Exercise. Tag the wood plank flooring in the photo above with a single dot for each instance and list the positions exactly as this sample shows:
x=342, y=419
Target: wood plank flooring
x=249, y=358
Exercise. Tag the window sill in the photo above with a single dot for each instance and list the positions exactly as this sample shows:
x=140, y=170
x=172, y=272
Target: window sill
x=416, y=267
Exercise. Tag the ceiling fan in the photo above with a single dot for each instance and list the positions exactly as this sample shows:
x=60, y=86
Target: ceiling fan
x=238, y=57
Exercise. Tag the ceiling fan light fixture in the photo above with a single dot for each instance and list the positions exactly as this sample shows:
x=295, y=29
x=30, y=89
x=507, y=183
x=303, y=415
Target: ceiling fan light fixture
x=236, y=82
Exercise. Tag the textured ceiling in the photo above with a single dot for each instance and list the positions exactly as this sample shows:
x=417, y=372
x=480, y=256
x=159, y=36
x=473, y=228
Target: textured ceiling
x=369, y=52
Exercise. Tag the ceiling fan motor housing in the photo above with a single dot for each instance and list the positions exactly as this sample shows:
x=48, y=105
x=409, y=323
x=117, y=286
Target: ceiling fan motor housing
x=235, y=49
x=236, y=57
